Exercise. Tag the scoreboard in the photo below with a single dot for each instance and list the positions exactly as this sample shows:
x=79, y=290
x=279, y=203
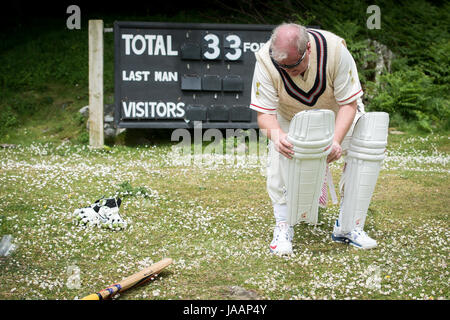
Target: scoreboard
x=170, y=75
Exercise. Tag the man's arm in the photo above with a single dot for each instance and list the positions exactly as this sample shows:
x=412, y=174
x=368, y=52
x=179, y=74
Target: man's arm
x=269, y=125
x=344, y=120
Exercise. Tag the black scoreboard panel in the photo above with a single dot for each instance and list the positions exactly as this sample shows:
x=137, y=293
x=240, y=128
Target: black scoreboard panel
x=169, y=75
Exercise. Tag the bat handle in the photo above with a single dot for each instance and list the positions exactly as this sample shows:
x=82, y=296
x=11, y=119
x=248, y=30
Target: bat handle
x=93, y=296
x=104, y=293
x=109, y=291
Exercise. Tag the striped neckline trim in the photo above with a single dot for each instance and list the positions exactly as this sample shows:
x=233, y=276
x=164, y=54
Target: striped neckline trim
x=320, y=82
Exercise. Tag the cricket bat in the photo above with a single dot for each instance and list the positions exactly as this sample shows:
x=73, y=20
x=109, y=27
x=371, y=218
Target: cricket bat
x=132, y=281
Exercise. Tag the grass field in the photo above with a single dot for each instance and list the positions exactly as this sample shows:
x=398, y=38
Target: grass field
x=215, y=220
x=212, y=214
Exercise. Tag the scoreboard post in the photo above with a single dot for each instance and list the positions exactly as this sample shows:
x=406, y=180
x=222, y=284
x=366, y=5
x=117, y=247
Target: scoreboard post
x=170, y=75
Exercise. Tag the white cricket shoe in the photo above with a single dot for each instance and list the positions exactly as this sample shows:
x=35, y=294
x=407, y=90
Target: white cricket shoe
x=282, y=239
x=357, y=237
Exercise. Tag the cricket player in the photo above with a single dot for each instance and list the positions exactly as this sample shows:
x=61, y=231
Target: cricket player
x=306, y=90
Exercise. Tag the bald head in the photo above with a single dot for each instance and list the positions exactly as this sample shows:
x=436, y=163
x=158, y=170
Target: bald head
x=288, y=39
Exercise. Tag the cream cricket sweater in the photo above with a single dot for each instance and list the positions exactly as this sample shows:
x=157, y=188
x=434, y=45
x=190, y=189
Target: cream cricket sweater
x=316, y=91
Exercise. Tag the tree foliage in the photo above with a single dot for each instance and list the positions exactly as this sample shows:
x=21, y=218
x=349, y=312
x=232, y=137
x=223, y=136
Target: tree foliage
x=415, y=91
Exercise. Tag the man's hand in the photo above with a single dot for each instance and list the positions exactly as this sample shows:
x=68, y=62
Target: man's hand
x=282, y=145
x=269, y=125
x=336, y=152
x=344, y=120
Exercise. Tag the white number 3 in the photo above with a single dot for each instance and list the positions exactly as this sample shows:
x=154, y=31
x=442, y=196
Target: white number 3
x=235, y=43
x=213, y=43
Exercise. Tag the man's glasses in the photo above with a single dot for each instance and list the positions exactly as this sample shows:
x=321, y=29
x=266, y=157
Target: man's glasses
x=290, y=66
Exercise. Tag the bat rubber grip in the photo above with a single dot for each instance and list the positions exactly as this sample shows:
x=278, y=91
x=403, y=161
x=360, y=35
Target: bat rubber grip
x=93, y=296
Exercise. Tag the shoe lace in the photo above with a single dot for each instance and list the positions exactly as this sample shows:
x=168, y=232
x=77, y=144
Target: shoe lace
x=284, y=232
x=361, y=233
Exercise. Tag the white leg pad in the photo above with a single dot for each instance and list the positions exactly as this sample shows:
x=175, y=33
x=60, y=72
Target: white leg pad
x=363, y=163
x=311, y=132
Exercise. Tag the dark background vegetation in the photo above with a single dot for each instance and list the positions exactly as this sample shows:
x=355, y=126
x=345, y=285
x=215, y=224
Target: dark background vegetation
x=44, y=66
